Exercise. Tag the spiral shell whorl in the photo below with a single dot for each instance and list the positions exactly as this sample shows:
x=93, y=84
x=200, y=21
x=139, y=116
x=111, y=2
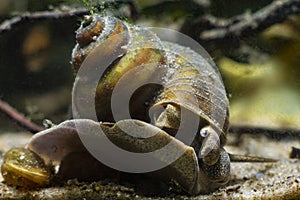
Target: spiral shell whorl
x=94, y=30
x=129, y=47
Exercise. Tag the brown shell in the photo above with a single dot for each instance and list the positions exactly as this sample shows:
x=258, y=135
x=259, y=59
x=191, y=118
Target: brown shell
x=183, y=72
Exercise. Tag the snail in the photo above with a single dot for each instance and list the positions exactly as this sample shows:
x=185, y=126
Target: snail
x=177, y=97
x=181, y=70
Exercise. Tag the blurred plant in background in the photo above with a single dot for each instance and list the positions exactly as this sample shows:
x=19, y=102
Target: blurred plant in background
x=265, y=89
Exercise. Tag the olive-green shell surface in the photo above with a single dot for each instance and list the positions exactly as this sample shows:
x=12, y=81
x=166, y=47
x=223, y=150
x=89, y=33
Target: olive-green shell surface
x=194, y=83
x=190, y=80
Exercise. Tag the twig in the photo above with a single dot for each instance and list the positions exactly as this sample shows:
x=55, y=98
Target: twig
x=64, y=12
x=246, y=158
x=19, y=118
x=271, y=132
x=211, y=28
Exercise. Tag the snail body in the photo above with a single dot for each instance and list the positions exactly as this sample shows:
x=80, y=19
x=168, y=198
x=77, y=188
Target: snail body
x=172, y=88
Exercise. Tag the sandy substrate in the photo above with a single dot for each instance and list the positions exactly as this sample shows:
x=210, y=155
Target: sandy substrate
x=279, y=180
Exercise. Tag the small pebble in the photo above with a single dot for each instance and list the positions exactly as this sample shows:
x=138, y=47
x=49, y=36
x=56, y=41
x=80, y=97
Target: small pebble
x=259, y=175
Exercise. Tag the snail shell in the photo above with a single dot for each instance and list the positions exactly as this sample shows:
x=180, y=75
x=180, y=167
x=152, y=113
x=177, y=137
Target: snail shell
x=20, y=165
x=190, y=92
x=185, y=75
